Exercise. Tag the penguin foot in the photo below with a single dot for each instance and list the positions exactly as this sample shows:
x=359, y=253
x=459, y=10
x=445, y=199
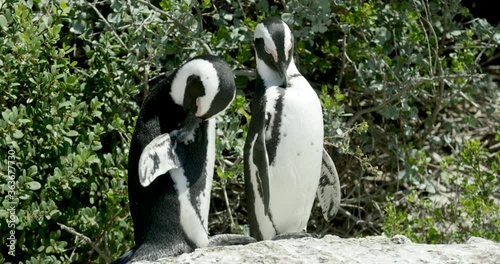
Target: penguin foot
x=294, y=235
x=230, y=240
x=125, y=258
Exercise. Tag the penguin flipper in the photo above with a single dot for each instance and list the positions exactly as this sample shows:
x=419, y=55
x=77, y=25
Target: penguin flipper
x=157, y=158
x=329, y=188
x=261, y=160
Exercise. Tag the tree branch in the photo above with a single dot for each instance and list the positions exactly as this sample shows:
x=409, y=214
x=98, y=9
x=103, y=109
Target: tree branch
x=202, y=43
x=245, y=73
x=406, y=88
x=110, y=27
x=487, y=45
x=86, y=240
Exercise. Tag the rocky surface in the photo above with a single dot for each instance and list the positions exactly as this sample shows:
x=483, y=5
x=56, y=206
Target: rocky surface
x=332, y=249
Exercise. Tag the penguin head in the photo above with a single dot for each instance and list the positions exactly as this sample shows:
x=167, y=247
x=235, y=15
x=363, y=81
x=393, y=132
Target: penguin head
x=204, y=86
x=273, y=41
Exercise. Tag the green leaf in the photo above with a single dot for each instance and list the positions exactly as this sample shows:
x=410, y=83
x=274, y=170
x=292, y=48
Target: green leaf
x=388, y=60
x=93, y=159
x=78, y=26
x=64, y=104
x=49, y=249
x=72, y=80
x=33, y=185
x=24, y=121
x=18, y=134
x=114, y=18
x=67, y=192
x=33, y=170
x=263, y=5
x=390, y=112
x=287, y=17
x=3, y=213
x=72, y=133
x=6, y=115
x=54, y=214
x=3, y=22
x=383, y=35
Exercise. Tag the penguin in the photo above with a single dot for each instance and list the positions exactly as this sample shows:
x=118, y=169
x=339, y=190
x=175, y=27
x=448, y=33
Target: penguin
x=285, y=162
x=172, y=156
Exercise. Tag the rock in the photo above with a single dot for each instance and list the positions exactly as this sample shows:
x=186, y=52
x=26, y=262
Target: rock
x=332, y=249
x=476, y=240
x=400, y=239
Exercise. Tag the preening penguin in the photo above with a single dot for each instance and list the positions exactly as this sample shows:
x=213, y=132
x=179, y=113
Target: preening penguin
x=285, y=163
x=172, y=157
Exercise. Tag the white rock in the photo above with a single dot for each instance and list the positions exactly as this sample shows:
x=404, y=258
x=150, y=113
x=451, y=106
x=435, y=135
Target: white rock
x=332, y=249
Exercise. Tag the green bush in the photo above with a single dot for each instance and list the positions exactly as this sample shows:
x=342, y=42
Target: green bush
x=412, y=79
x=410, y=110
x=469, y=208
x=68, y=127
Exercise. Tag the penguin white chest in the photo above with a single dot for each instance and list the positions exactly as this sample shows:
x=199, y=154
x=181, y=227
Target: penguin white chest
x=296, y=120
x=194, y=224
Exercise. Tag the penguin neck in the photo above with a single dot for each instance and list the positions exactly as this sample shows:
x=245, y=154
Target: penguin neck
x=270, y=77
x=292, y=69
x=152, y=120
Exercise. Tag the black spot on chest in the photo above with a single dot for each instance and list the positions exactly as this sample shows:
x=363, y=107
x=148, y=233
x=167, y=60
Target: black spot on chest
x=275, y=126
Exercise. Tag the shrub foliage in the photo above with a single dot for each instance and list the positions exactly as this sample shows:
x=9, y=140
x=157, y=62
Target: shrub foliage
x=408, y=90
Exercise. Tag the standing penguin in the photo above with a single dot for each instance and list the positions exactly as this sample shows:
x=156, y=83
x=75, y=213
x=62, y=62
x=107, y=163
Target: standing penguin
x=171, y=160
x=285, y=163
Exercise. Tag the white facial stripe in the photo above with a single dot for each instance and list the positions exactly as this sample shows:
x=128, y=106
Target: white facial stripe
x=288, y=40
x=262, y=32
x=208, y=75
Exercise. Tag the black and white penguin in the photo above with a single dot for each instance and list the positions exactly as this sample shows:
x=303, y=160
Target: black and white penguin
x=285, y=163
x=172, y=156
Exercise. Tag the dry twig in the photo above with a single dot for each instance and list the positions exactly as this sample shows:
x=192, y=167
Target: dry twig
x=86, y=240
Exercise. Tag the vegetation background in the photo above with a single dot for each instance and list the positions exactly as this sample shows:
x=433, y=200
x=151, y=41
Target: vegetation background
x=409, y=90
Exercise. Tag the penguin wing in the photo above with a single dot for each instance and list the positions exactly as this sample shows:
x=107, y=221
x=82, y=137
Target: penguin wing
x=329, y=188
x=261, y=160
x=256, y=156
x=157, y=158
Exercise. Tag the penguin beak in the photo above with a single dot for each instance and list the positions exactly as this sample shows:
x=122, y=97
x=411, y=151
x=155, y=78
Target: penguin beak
x=198, y=107
x=282, y=67
x=186, y=133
